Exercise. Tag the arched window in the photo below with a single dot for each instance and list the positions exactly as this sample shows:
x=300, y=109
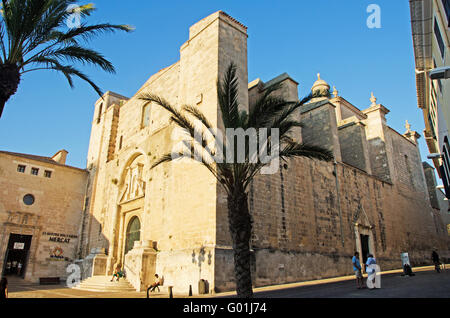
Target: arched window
x=133, y=233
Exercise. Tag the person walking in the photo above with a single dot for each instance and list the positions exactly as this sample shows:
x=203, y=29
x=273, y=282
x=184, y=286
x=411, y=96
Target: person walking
x=3, y=288
x=371, y=270
x=357, y=270
x=436, y=262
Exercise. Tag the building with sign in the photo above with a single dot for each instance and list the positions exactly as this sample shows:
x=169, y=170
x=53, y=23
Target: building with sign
x=308, y=218
x=430, y=21
x=41, y=209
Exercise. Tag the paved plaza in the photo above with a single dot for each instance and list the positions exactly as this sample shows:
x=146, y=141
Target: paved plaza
x=425, y=284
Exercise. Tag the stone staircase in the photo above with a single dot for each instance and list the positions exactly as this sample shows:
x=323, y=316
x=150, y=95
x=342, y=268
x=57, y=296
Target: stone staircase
x=104, y=284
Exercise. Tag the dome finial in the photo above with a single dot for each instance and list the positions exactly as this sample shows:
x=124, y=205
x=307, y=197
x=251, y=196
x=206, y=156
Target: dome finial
x=320, y=87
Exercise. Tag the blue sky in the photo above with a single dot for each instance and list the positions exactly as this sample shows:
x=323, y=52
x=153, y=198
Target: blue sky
x=301, y=38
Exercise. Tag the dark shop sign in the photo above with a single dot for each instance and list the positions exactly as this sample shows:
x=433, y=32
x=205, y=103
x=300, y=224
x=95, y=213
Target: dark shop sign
x=59, y=237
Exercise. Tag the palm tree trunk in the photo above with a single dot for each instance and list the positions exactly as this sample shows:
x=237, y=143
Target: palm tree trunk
x=240, y=228
x=9, y=81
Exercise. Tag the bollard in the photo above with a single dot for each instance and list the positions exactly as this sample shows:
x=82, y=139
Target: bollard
x=170, y=292
x=190, y=290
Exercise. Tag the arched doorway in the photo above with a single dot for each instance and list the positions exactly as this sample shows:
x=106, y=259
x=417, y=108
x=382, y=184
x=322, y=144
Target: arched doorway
x=133, y=233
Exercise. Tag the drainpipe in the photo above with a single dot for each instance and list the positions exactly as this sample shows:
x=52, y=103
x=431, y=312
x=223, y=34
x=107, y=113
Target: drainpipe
x=338, y=202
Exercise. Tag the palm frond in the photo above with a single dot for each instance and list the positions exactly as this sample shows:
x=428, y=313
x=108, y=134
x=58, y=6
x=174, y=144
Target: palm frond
x=227, y=92
x=165, y=158
x=32, y=37
x=70, y=71
x=269, y=112
x=2, y=43
x=293, y=149
x=265, y=109
x=198, y=114
x=79, y=54
x=87, y=32
x=179, y=118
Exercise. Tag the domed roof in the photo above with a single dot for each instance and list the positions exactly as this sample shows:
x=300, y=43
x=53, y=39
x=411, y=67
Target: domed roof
x=320, y=86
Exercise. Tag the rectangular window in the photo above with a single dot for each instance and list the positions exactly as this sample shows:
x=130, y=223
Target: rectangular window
x=430, y=121
x=146, y=116
x=438, y=80
x=34, y=171
x=99, y=115
x=446, y=163
x=21, y=168
x=446, y=4
x=47, y=174
x=439, y=39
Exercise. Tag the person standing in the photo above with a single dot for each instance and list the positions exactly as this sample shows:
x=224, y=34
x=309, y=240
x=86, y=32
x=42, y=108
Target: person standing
x=437, y=263
x=372, y=269
x=357, y=270
x=3, y=288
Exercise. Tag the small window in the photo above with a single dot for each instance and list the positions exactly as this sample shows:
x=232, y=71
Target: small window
x=28, y=199
x=446, y=4
x=47, y=174
x=120, y=142
x=437, y=33
x=99, y=115
x=34, y=171
x=145, y=116
x=21, y=168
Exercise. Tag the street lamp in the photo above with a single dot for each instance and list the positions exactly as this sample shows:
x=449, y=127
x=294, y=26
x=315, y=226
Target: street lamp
x=440, y=73
x=437, y=73
x=434, y=156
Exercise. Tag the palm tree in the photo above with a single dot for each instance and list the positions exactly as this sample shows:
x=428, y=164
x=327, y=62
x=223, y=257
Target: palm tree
x=268, y=112
x=34, y=36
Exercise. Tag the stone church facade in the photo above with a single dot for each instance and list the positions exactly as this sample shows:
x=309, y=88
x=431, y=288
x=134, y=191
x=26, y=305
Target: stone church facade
x=309, y=217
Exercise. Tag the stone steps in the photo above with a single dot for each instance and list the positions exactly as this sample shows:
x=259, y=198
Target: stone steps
x=104, y=284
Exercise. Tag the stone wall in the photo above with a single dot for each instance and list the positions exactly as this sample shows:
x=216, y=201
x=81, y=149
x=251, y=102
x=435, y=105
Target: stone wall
x=304, y=229
x=352, y=139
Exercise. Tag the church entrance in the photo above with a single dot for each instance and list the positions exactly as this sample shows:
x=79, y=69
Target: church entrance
x=363, y=235
x=364, y=247
x=16, y=256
